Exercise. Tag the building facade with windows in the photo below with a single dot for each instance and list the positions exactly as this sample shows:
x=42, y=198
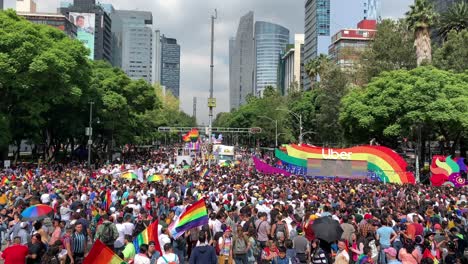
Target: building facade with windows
x=290, y=69
x=170, y=65
x=97, y=34
x=133, y=43
x=348, y=44
x=241, y=62
x=270, y=41
x=323, y=17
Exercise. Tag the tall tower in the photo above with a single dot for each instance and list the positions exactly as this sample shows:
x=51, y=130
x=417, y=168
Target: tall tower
x=170, y=65
x=135, y=33
x=241, y=63
x=270, y=40
x=372, y=9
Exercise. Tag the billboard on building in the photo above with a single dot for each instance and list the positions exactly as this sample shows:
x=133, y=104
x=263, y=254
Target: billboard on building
x=85, y=23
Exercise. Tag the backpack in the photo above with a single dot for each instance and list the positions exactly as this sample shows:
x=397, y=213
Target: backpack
x=170, y=262
x=240, y=246
x=280, y=230
x=107, y=234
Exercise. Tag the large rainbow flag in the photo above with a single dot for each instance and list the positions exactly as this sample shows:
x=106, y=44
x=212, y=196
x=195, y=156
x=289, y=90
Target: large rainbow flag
x=147, y=235
x=383, y=162
x=194, y=215
x=100, y=254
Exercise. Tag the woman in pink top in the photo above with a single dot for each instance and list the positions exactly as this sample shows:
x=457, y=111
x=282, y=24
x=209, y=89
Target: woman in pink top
x=57, y=232
x=408, y=254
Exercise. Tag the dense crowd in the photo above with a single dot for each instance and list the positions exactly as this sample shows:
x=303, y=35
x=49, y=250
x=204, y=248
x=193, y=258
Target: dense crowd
x=253, y=218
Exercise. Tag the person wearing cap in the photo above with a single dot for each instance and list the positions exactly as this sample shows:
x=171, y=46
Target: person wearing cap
x=391, y=255
x=225, y=246
x=168, y=257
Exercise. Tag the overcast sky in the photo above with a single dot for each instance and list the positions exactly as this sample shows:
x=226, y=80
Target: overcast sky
x=189, y=22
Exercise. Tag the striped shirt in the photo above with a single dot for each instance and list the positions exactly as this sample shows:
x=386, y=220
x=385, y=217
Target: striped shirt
x=78, y=243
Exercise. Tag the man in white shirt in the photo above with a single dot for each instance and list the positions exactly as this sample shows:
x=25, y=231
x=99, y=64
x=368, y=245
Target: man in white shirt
x=168, y=256
x=119, y=243
x=128, y=226
x=164, y=239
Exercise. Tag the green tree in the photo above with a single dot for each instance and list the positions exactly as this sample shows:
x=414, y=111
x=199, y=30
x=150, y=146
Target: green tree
x=316, y=67
x=453, y=55
x=393, y=103
x=42, y=72
x=456, y=18
x=391, y=49
x=420, y=18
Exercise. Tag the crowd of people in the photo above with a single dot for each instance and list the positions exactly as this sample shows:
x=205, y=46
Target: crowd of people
x=253, y=218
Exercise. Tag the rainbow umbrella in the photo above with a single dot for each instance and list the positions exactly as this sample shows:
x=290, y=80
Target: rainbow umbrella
x=155, y=178
x=37, y=212
x=129, y=176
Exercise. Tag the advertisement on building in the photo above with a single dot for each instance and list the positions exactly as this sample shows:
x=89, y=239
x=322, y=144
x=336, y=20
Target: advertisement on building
x=85, y=23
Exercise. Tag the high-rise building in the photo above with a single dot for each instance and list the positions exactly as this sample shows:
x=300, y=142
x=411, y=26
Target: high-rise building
x=270, y=40
x=94, y=27
x=290, y=70
x=170, y=64
x=347, y=44
x=323, y=17
x=372, y=9
x=1, y=4
x=133, y=45
x=241, y=62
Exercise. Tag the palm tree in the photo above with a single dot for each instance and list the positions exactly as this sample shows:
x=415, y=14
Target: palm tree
x=420, y=18
x=456, y=18
x=315, y=68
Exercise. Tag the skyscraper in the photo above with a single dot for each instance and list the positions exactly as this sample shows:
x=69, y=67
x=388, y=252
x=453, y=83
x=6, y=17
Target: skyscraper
x=372, y=9
x=133, y=51
x=323, y=17
x=270, y=40
x=1, y=4
x=170, y=65
x=94, y=27
x=241, y=62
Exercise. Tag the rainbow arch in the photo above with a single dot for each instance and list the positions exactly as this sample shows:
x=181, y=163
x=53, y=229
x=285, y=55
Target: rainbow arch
x=382, y=161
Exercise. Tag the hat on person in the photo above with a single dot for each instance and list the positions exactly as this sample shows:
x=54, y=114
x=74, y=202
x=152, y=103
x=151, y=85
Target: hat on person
x=228, y=229
x=429, y=233
x=367, y=216
x=437, y=227
x=391, y=251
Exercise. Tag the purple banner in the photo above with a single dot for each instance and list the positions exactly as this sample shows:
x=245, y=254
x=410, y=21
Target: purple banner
x=268, y=169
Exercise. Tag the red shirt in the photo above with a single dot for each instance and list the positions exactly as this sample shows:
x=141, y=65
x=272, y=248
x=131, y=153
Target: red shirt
x=15, y=254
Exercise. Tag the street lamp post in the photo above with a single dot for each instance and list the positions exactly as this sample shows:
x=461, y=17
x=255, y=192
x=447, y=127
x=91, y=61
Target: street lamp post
x=211, y=100
x=299, y=117
x=90, y=134
x=276, y=128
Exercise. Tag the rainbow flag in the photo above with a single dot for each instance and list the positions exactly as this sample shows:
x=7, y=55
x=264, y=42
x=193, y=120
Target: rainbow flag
x=100, y=254
x=204, y=172
x=5, y=180
x=194, y=215
x=147, y=235
x=428, y=254
x=107, y=201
